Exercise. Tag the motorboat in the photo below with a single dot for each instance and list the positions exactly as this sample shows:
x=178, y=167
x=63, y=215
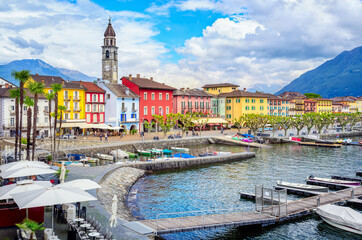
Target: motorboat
x=132, y=155
x=119, y=154
x=180, y=149
x=223, y=153
x=144, y=153
x=302, y=186
x=105, y=157
x=344, y=218
x=334, y=181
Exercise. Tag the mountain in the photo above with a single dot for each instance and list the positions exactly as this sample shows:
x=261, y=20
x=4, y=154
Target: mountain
x=42, y=68
x=341, y=76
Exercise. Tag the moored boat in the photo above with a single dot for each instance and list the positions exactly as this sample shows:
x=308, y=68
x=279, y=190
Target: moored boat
x=144, y=153
x=334, y=181
x=344, y=218
x=302, y=186
x=180, y=149
x=132, y=155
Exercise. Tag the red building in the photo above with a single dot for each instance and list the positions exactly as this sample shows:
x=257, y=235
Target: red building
x=94, y=103
x=310, y=105
x=155, y=98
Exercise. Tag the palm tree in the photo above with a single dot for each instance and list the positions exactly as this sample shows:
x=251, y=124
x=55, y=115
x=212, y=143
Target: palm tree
x=50, y=96
x=15, y=93
x=30, y=225
x=57, y=87
x=61, y=110
x=35, y=88
x=23, y=76
x=29, y=103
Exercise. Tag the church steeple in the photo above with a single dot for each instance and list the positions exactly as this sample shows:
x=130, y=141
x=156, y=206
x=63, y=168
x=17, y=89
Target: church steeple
x=109, y=55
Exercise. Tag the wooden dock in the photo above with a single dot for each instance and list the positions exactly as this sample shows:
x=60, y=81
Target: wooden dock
x=251, y=196
x=299, y=192
x=346, y=178
x=328, y=145
x=295, y=209
x=332, y=186
x=359, y=173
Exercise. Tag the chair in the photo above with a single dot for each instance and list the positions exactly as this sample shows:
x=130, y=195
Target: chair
x=83, y=212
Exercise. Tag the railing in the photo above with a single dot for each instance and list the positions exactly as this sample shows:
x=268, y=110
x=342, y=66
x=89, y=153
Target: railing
x=134, y=110
x=67, y=98
x=124, y=109
x=181, y=217
x=76, y=99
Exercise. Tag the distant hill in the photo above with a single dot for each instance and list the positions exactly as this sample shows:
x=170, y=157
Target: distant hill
x=42, y=68
x=341, y=76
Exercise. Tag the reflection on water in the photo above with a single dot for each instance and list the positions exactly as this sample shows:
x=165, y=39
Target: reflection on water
x=217, y=187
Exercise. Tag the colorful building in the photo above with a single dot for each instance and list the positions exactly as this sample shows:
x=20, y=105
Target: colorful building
x=297, y=101
x=336, y=107
x=310, y=105
x=278, y=106
x=5, y=83
x=323, y=105
x=155, y=98
x=122, y=106
x=72, y=96
x=191, y=100
x=94, y=102
x=218, y=106
x=218, y=88
x=241, y=102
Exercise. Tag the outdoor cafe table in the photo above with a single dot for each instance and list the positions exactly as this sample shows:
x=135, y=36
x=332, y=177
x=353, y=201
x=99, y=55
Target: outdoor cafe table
x=78, y=221
x=85, y=226
x=93, y=235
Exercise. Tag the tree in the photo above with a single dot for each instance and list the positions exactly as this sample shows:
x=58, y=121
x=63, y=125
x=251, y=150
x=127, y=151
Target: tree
x=57, y=87
x=31, y=226
x=166, y=123
x=309, y=120
x=149, y=126
x=22, y=76
x=342, y=119
x=312, y=95
x=61, y=110
x=274, y=122
x=15, y=93
x=37, y=88
x=238, y=122
x=263, y=120
x=323, y=120
x=201, y=122
x=29, y=103
x=50, y=97
x=186, y=121
x=252, y=121
x=354, y=118
x=298, y=122
x=286, y=123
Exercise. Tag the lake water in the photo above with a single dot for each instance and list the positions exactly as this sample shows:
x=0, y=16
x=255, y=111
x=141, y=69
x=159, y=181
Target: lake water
x=217, y=187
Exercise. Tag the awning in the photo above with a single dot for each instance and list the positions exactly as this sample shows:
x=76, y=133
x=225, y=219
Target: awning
x=69, y=125
x=210, y=121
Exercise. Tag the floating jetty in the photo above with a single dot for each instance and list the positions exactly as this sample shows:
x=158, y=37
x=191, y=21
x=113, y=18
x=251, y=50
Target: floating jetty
x=320, y=144
x=332, y=186
x=229, y=141
x=269, y=216
x=359, y=173
x=346, y=178
x=251, y=196
x=299, y=192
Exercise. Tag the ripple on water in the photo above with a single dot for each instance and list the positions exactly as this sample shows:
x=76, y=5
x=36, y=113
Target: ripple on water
x=217, y=187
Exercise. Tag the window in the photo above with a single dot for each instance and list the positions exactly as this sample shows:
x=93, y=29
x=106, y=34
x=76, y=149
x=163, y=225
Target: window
x=76, y=95
x=12, y=122
x=94, y=108
x=247, y=100
x=95, y=117
x=153, y=96
x=101, y=108
x=261, y=100
x=50, y=91
x=101, y=118
x=145, y=111
x=167, y=110
x=247, y=108
x=237, y=100
x=197, y=104
x=12, y=108
x=133, y=107
x=190, y=104
x=46, y=119
x=207, y=105
x=101, y=98
x=153, y=111
x=66, y=104
x=145, y=96
x=46, y=108
x=94, y=98
x=160, y=96
x=261, y=108
x=167, y=96
x=253, y=108
x=253, y=100
x=108, y=96
x=76, y=115
x=88, y=108
x=66, y=116
x=160, y=111
x=76, y=106
x=88, y=118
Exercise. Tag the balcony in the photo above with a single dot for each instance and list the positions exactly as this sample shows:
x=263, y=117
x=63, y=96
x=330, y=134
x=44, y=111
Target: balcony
x=134, y=110
x=207, y=107
x=67, y=98
x=183, y=107
x=77, y=110
x=131, y=120
x=202, y=107
x=124, y=109
x=76, y=99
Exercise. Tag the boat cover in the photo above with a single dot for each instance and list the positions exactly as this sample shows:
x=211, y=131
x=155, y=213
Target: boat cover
x=341, y=215
x=183, y=155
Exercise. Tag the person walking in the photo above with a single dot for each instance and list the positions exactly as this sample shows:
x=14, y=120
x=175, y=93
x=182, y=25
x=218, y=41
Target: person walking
x=106, y=137
x=222, y=130
x=187, y=133
x=100, y=136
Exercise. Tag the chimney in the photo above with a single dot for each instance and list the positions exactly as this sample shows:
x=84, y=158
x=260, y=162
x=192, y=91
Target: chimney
x=151, y=78
x=130, y=77
x=80, y=83
x=182, y=89
x=63, y=82
x=6, y=85
x=188, y=88
x=37, y=74
x=244, y=89
x=126, y=91
x=98, y=79
x=138, y=75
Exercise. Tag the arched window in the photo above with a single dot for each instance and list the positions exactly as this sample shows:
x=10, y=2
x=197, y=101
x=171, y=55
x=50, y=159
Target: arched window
x=111, y=42
x=107, y=54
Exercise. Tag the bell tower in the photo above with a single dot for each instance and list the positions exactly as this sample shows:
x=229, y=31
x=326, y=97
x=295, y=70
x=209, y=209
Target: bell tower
x=110, y=55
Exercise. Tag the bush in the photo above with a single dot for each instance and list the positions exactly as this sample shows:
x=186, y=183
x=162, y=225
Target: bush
x=133, y=131
x=24, y=141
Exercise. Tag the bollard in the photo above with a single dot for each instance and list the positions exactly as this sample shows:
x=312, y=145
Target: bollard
x=352, y=193
x=318, y=201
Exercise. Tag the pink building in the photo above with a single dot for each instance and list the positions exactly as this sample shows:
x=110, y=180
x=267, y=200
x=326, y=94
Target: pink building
x=191, y=100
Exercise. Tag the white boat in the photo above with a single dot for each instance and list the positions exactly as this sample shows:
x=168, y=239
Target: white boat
x=119, y=154
x=223, y=153
x=105, y=157
x=344, y=218
x=180, y=149
x=334, y=181
x=302, y=186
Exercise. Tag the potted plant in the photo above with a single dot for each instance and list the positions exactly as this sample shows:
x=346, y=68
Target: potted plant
x=30, y=227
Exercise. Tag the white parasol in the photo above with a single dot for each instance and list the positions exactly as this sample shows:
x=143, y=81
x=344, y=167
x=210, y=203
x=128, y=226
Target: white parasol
x=22, y=164
x=113, y=219
x=22, y=186
x=26, y=171
x=84, y=184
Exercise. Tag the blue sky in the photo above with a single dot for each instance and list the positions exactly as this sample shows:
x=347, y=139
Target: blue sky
x=257, y=44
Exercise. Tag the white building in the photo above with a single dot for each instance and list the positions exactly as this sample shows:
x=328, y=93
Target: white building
x=5, y=84
x=7, y=115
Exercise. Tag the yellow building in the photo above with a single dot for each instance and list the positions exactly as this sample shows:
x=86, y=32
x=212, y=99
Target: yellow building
x=359, y=104
x=297, y=102
x=72, y=95
x=216, y=89
x=324, y=105
x=241, y=102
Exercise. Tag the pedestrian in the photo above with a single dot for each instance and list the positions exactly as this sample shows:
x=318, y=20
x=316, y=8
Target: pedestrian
x=222, y=130
x=106, y=137
x=100, y=136
x=187, y=133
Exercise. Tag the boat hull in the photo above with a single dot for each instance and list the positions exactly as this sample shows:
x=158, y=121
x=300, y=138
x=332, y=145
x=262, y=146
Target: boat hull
x=335, y=181
x=303, y=187
x=343, y=227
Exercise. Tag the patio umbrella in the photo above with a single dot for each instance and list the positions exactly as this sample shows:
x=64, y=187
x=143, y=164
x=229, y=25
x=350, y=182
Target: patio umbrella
x=84, y=184
x=62, y=173
x=26, y=171
x=113, y=219
x=50, y=197
x=22, y=164
x=22, y=186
